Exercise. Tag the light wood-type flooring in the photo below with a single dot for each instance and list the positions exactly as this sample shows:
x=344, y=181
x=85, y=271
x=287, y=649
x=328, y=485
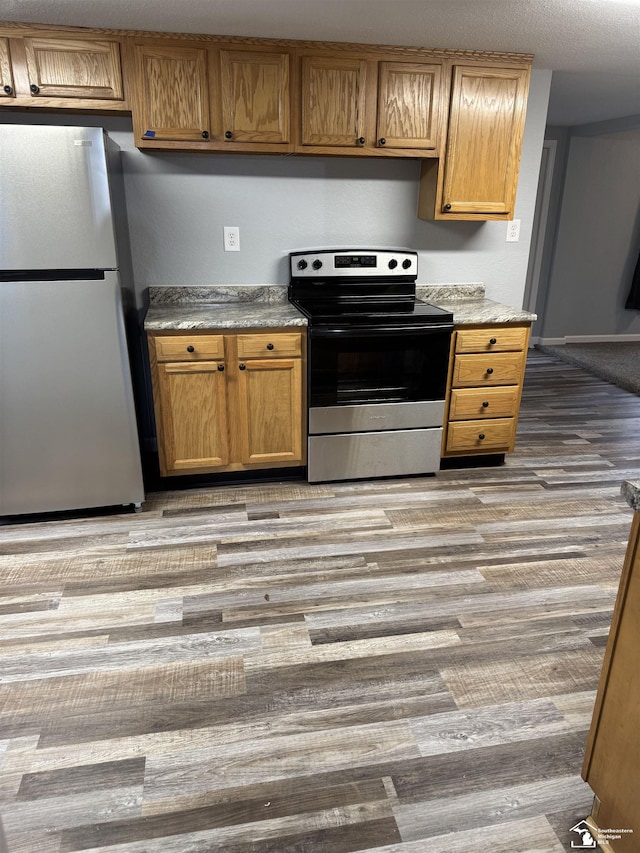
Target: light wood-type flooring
x=396, y=666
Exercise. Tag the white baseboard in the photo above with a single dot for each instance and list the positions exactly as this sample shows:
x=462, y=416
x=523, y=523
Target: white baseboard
x=587, y=339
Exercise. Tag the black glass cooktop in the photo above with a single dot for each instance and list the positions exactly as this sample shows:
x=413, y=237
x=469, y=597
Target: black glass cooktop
x=370, y=311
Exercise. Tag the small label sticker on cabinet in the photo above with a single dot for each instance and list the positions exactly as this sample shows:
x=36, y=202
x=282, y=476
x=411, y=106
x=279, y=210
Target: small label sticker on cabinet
x=83, y=143
x=149, y=134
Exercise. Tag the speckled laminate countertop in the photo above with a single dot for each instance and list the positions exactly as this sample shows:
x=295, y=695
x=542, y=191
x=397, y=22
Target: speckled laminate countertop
x=470, y=306
x=175, y=308
x=220, y=307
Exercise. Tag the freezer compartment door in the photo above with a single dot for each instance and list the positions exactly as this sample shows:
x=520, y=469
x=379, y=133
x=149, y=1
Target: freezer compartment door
x=68, y=436
x=55, y=206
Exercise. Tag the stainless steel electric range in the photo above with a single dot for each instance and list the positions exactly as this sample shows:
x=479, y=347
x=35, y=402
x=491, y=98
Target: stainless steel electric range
x=376, y=364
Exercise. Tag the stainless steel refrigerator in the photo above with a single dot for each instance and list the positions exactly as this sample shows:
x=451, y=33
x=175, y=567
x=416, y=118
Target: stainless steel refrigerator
x=68, y=435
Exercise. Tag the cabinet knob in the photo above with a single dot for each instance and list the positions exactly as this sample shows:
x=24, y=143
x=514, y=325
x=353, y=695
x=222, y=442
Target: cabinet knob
x=269, y=346
x=481, y=436
x=34, y=89
x=221, y=367
x=191, y=349
x=382, y=141
x=205, y=134
x=228, y=134
x=485, y=405
x=8, y=90
x=493, y=341
x=361, y=140
x=242, y=366
x=489, y=370
x=447, y=207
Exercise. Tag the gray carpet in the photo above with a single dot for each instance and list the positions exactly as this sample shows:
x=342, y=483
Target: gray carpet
x=616, y=363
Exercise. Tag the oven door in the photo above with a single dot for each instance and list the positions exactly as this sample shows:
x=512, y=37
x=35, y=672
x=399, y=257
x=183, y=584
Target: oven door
x=372, y=365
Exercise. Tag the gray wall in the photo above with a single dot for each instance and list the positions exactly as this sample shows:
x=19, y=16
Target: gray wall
x=178, y=204
x=598, y=236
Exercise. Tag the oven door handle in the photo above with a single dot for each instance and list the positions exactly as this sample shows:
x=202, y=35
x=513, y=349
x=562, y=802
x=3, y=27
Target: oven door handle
x=366, y=331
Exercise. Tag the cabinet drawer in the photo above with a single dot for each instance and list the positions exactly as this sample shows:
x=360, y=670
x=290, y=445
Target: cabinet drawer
x=491, y=339
x=269, y=345
x=505, y=368
x=472, y=403
x=497, y=434
x=189, y=347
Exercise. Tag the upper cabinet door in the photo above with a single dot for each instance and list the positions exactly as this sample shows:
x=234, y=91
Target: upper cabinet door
x=172, y=97
x=333, y=91
x=7, y=89
x=254, y=96
x=486, y=123
x=74, y=68
x=408, y=105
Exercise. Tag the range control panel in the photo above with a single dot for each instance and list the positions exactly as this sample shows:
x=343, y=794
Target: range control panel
x=348, y=263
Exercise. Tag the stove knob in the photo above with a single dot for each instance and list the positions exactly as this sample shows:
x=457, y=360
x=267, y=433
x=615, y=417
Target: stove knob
x=393, y=264
x=302, y=265
x=406, y=264
x=316, y=264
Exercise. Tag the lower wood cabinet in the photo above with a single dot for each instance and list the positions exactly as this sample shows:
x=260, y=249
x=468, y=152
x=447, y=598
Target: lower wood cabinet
x=226, y=402
x=612, y=756
x=486, y=371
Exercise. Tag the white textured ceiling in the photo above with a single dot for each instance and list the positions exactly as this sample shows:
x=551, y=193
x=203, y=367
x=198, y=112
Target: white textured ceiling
x=592, y=46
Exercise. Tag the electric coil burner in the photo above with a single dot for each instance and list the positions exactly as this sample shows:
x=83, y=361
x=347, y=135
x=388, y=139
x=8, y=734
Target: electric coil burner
x=377, y=364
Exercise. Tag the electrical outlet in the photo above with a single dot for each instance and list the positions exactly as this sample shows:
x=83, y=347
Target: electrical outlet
x=231, y=238
x=513, y=231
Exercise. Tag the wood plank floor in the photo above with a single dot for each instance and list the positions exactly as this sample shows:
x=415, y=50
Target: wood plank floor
x=396, y=666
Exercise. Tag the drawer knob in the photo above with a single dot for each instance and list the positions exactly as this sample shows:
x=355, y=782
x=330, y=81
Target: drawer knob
x=8, y=90
x=205, y=134
x=228, y=134
x=269, y=346
x=361, y=140
x=489, y=370
x=191, y=349
x=485, y=405
x=493, y=341
x=481, y=436
x=242, y=366
x=35, y=90
x=221, y=367
x=382, y=141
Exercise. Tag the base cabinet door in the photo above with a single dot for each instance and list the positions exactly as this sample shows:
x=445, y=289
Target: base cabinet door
x=270, y=409
x=193, y=416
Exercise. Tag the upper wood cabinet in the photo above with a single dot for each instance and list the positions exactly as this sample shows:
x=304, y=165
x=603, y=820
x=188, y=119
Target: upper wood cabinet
x=460, y=112
x=171, y=101
x=250, y=94
x=191, y=95
x=333, y=94
x=409, y=98
x=7, y=89
x=477, y=177
x=367, y=106
x=61, y=72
